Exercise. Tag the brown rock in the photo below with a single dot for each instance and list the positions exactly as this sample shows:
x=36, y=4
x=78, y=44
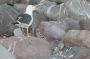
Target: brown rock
x=88, y=1
x=52, y=29
x=28, y=48
x=78, y=37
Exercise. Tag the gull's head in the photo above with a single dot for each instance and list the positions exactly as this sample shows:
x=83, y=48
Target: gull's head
x=33, y=8
x=30, y=9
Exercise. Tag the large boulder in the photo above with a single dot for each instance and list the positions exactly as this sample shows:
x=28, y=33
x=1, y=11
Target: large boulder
x=26, y=47
x=78, y=37
x=7, y=15
x=78, y=10
x=53, y=29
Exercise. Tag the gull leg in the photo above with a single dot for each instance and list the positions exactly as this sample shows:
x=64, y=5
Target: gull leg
x=22, y=30
x=27, y=32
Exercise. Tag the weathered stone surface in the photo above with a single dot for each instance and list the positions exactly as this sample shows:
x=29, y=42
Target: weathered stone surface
x=53, y=29
x=43, y=6
x=83, y=54
x=4, y=54
x=7, y=15
x=73, y=52
x=85, y=24
x=37, y=19
x=30, y=1
x=78, y=37
x=59, y=1
x=72, y=24
x=3, y=1
x=25, y=1
x=26, y=48
x=20, y=7
x=88, y=1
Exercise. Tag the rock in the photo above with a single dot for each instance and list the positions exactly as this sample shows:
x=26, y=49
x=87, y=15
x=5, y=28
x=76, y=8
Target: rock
x=83, y=54
x=85, y=24
x=53, y=12
x=59, y=1
x=88, y=1
x=74, y=52
x=37, y=19
x=78, y=37
x=18, y=32
x=25, y=1
x=75, y=10
x=44, y=57
x=34, y=2
x=20, y=7
x=53, y=29
x=4, y=1
x=43, y=6
x=4, y=54
x=26, y=47
x=72, y=24
x=7, y=15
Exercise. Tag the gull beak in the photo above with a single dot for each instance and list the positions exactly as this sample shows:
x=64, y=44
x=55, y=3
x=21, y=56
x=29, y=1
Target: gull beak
x=35, y=8
x=15, y=23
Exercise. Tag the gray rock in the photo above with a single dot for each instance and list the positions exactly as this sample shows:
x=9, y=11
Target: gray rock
x=53, y=29
x=38, y=18
x=43, y=6
x=59, y=1
x=72, y=24
x=7, y=16
x=78, y=37
x=85, y=24
x=4, y=54
x=20, y=7
x=83, y=54
x=74, y=52
x=18, y=32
